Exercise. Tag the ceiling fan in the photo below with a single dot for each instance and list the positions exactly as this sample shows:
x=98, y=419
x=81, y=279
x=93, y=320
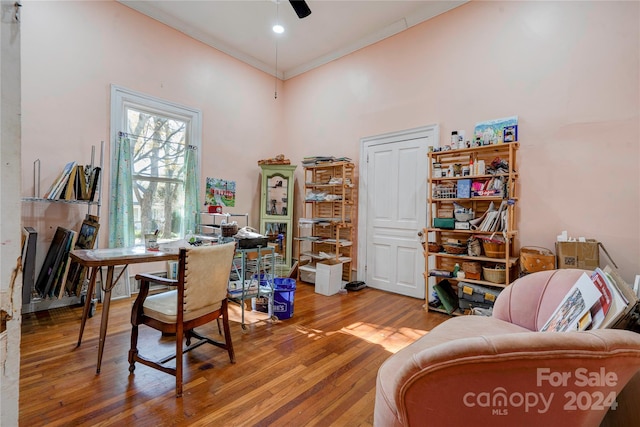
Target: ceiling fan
x=301, y=8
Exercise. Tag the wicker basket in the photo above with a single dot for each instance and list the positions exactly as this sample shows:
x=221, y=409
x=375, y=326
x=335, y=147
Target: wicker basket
x=434, y=247
x=494, y=249
x=471, y=267
x=534, y=258
x=228, y=230
x=494, y=275
x=472, y=270
x=455, y=249
x=445, y=212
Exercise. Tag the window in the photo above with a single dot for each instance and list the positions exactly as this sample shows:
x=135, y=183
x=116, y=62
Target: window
x=154, y=168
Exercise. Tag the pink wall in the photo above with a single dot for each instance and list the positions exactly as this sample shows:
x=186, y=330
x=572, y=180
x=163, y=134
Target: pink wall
x=569, y=70
x=73, y=51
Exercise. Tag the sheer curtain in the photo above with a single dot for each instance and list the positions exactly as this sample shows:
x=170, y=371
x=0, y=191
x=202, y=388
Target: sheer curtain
x=121, y=231
x=191, y=189
x=121, y=214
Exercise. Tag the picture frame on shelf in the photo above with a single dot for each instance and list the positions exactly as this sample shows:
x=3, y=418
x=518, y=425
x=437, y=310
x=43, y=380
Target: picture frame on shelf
x=88, y=234
x=510, y=133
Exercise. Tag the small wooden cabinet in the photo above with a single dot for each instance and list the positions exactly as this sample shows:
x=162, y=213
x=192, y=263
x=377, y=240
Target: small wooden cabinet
x=276, y=208
x=326, y=225
x=479, y=179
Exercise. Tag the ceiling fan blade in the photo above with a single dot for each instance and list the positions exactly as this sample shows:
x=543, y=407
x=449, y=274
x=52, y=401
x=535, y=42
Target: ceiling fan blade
x=301, y=8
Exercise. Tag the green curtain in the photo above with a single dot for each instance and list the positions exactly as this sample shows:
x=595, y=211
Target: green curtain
x=191, y=191
x=121, y=231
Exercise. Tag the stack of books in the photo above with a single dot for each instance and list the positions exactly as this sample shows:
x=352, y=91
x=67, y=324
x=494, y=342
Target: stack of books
x=75, y=182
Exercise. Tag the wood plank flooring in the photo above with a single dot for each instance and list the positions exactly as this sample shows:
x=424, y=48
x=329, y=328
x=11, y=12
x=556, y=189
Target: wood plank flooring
x=315, y=369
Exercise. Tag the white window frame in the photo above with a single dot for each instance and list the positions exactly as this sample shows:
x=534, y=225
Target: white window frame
x=121, y=98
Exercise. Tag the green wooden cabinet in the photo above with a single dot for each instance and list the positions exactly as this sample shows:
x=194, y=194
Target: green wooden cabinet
x=276, y=208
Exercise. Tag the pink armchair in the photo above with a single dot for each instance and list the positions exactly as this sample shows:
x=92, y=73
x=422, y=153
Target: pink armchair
x=500, y=371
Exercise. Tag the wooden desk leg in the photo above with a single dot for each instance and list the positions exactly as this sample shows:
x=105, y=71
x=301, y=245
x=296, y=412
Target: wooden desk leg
x=105, y=314
x=87, y=302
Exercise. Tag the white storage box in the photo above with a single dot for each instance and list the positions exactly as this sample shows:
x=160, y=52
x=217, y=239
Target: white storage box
x=328, y=277
x=307, y=274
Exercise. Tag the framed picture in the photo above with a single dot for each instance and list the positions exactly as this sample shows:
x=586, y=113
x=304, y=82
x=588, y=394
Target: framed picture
x=121, y=288
x=86, y=240
x=510, y=133
x=88, y=234
x=488, y=132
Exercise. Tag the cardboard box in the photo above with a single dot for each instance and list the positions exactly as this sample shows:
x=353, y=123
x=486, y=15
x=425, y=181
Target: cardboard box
x=328, y=277
x=582, y=255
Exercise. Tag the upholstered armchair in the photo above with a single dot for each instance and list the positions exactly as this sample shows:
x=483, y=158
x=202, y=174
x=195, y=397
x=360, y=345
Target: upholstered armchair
x=500, y=371
x=199, y=298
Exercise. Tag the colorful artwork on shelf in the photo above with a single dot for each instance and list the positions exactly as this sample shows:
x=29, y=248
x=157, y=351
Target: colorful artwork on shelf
x=220, y=192
x=492, y=131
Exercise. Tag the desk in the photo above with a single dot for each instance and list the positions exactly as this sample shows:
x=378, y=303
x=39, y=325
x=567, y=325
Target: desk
x=95, y=259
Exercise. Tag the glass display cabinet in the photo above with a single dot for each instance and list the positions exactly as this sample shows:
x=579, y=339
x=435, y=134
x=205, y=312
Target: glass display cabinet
x=276, y=209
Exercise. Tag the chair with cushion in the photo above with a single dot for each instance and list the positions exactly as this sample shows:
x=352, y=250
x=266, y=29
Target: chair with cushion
x=199, y=298
x=500, y=371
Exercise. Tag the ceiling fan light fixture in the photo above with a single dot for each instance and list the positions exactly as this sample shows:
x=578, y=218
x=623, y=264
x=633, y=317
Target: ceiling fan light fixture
x=301, y=8
x=278, y=29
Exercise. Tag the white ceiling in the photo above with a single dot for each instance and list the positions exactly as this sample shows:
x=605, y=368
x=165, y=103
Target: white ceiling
x=242, y=28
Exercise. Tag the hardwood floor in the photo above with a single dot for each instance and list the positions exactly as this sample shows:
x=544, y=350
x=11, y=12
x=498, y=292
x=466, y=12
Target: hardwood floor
x=317, y=368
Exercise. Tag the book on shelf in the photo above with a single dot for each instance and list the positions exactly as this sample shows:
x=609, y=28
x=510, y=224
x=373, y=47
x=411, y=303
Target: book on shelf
x=68, y=192
x=86, y=182
x=75, y=182
x=440, y=273
x=56, y=188
x=446, y=295
x=499, y=219
x=477, y=223
x=492, y=219
x=81, y=182
x=94, y=181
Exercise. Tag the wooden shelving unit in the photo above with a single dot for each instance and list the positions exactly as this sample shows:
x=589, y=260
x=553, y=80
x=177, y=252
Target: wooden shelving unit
x=441, y=204
x=325, y=229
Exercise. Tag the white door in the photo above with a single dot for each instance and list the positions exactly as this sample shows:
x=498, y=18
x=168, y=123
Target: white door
x=392, y=209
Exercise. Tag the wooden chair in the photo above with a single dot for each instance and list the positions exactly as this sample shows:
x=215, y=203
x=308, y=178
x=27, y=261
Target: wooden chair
x=199, y=298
